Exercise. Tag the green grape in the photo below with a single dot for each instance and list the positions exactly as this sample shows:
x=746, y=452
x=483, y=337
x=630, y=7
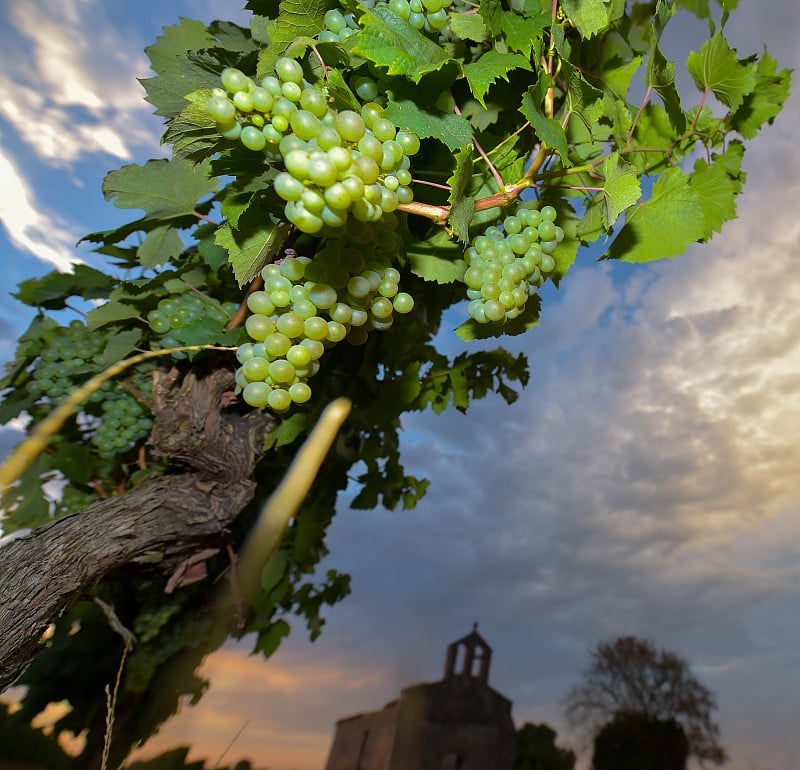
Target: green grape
x=288, y=70
x=252, y=138
x=221, y=109
x=234, y=80
x=299, y=392
x=279, y=400
x=256, y=394
x=350, y=125
x=366, y=88
x=243, y=101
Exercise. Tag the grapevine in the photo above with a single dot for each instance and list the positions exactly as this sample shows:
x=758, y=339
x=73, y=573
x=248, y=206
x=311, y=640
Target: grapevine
x=347, y=183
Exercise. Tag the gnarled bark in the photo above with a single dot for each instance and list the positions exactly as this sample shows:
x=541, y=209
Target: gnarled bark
x=158, y=523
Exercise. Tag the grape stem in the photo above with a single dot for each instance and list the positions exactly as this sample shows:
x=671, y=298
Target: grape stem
x=238, y=316
x=495, y=173
x=205, y=218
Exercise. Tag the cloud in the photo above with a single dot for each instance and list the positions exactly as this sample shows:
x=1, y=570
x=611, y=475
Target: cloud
x=61, y=103
x=29, y=227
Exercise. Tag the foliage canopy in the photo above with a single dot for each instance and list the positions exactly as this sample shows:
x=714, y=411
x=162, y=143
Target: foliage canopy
x=568, y=109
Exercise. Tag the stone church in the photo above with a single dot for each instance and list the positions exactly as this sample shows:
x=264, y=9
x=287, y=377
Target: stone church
x=457, y=723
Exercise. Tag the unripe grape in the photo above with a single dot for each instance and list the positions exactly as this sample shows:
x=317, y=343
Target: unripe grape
x=288, y=70
x=234, y=80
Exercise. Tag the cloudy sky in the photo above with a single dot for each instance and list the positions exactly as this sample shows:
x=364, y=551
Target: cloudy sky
x=647, y=482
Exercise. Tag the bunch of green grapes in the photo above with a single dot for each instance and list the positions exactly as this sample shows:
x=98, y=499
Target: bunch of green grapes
x=71, y=357
x=307, y=306
x=179, y=310
x=340, y=25
x=336, y=163
x=428, y=16
x=124, y=422
x=504, y=265
x=65, y=363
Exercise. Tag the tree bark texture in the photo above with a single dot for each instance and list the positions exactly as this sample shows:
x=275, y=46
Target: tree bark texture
x=157, y=524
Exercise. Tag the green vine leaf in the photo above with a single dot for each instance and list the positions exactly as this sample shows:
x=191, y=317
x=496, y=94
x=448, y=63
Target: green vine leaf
x=620, y=190
x=461, y=205
x=159, y=246
x=589, y=16
x=715, y=68
x=436, y=259
x=716, y=193
x=163, y=189
x=766, y=99
x=549, y=130
x=492, y=65
x=454, y=130
x=176, y=75
x=663, y=226
x=251, y=246
x=391, y=42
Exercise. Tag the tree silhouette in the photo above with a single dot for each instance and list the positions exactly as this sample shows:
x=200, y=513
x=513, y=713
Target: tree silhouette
x=536, y=749
x=635, y=742
x=631, y=676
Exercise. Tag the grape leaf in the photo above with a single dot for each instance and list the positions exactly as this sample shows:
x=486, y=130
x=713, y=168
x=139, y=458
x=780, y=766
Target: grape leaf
x=583, y=99
x=589, y=16
x=120, y=345
x=391, y=42
x=159, y=246
x=620, y=190
x=663, y=226
x=549, y=130
x=52, y=290
x=660, y=73
x=461, y=206
x=765, y=101
x=269, y=641
x=492, y=65
x=296, y=18
x=468, y=26
x=524, y=34
x=716, y=193
x=252, y=245
x=436, y=259
x=454, y=130
x=163, y=189
x=491, y=12
x=110, y=312
x=193, y=132
x=715, y=67
x=176, y=75
x=287, y=431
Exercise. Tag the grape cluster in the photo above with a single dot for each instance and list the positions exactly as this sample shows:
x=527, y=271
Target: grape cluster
x=336, y=163
x=504, y=265
x=71, y=357
x=428, y=16
x=180, y=310
x=65, y=362
x=123, y=423
x=307, y=306
x=339, y=26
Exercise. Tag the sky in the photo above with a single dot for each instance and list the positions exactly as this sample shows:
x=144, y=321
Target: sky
x=647, y=481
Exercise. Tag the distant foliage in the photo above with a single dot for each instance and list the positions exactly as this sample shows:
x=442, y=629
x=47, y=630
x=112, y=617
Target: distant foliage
x=535, y=749
x=635, y=742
